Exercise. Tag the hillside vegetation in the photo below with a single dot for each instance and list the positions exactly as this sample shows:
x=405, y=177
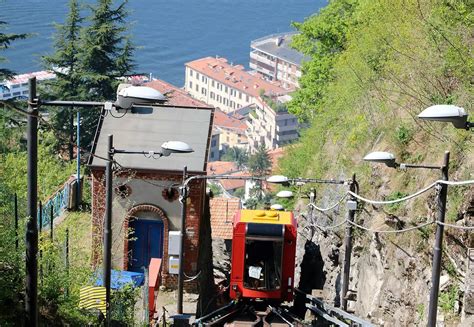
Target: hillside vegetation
x=375, y=66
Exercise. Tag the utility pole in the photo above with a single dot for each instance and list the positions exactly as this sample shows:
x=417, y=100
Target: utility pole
x=438, y=248
x=183, y=199
x=31, y=300
x=108, y=227
x=352, y=206
x=78, y=149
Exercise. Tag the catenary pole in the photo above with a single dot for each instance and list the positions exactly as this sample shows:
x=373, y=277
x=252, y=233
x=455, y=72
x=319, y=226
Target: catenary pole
x=78, y=147
x=184, y=197
x=31, y=299
x=438, y=247
x=108, y=228
x=348, y=247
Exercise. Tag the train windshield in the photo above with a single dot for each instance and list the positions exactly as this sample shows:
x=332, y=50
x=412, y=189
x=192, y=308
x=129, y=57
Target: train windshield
x=263, y=262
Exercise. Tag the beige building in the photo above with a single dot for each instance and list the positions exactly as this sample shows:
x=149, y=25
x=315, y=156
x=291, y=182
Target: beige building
x=225, y=86
x=274, y=58
x=273, y=127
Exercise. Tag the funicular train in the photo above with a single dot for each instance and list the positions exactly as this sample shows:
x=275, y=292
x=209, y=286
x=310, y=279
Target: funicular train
x=263, y=255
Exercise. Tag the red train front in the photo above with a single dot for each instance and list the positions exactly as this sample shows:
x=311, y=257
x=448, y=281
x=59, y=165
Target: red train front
x=263, y=255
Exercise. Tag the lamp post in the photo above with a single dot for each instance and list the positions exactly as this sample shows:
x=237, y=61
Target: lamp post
x=127, y=97
x=447, y=113
x=389, y=160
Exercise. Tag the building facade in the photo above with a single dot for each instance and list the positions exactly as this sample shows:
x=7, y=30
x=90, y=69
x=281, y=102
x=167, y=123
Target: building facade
x=225, y=86
x=146, y=219
x=273, y=57
x=271, y=127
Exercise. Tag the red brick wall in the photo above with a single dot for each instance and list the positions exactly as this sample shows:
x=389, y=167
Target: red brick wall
x=193, y=215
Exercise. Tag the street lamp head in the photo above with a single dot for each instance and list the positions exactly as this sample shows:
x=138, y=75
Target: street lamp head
x=382, y=157
x=284, y=194
x=277, y=179
x=446, y=113
x=128, y=96
x=277, y=207
x=170, y=147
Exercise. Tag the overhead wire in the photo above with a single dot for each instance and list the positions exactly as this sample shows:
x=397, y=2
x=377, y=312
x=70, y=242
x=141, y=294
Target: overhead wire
x=389, y=231
x=330, y=207
x=455, y=226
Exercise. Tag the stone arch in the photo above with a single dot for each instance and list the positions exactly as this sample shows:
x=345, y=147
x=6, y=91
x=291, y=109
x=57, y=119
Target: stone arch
x=132, y=213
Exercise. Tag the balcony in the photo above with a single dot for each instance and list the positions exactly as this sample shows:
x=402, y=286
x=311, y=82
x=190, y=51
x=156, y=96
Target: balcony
x=254, y=55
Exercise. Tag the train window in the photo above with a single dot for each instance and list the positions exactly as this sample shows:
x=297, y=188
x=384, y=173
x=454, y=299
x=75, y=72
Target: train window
x=263, y=262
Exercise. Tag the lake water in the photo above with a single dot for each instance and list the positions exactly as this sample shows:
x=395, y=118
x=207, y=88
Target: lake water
x=169, y=33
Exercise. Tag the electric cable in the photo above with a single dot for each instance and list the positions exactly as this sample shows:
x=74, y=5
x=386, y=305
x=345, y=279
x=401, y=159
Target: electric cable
x=456, y=183
x=455, y=226
x=329, y=227
x=330, y=207
x=390, y=231
x=191, y=278
x=405, y=198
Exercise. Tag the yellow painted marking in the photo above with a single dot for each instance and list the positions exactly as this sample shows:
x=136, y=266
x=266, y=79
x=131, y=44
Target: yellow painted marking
x=265, y=217
x=93, y=297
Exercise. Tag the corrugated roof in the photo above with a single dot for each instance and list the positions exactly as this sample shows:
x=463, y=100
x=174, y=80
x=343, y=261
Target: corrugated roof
x=223, y=211
x=148, y=128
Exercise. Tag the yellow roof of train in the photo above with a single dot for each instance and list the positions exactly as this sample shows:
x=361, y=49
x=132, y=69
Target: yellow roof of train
x=266, y=217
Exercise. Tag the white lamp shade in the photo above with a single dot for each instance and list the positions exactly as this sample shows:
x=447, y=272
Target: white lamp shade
x=277, y=179
x=276, y=206
x=445, y=113
x=382, y=157
x=128, y=96
x=175, y=147
x=284, y=194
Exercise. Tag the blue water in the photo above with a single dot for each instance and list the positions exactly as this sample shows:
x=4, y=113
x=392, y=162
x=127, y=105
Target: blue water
x=169, y=33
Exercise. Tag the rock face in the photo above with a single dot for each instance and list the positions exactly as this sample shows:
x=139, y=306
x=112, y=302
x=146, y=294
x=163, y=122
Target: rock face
x=390, y=276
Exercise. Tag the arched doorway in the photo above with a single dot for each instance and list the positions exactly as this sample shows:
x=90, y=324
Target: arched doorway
x=147, y=226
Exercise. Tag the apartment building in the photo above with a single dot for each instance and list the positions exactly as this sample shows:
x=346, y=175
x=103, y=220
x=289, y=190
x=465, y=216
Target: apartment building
x=226, y=86
x=269, y=123
x=273, y=57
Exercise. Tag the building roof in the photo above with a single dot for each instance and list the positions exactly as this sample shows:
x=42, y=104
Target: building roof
x=221, y=167
x=223, y=120
x=233, y=184
x=234, y=76
x=175, y=95
x=23, y=78
x=146, y=128
x=223, y=211
x=278, y=45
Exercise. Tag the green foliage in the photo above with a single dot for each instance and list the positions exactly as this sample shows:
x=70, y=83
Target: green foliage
x=238, y=155
x=88, y=59
x=259, y=163
x=123, y=304
x=216, y=190
x=5, y=41
x=392, y=208
x=448, y=298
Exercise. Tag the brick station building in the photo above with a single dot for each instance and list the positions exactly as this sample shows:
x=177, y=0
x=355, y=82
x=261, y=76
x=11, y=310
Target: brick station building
x=146, y=208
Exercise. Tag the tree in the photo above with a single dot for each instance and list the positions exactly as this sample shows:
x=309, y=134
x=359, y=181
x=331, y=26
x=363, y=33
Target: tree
x=259, y=165
x=259, y=162
x=322, y=37
x=238, y=155
x=5, y=40
x=106, y=52
x=64, y=62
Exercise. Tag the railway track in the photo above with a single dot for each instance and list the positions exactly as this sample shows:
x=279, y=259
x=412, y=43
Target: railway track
x=256, y=314
x=263, y=314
